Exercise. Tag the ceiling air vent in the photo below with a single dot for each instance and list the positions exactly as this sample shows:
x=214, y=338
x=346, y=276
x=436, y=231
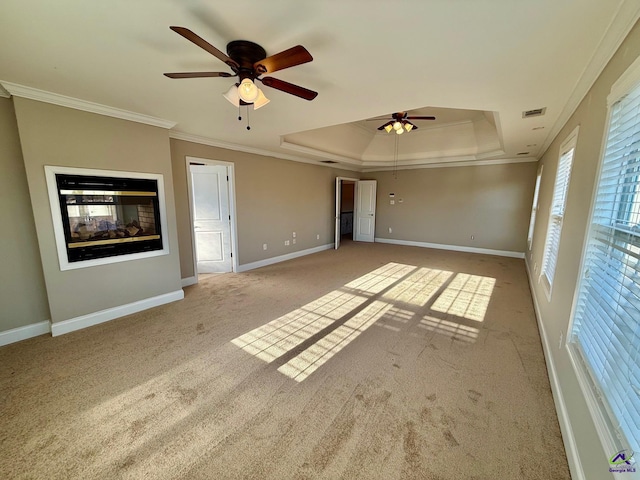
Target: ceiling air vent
x=538, y=112
x=523, y=153
x=327, y=161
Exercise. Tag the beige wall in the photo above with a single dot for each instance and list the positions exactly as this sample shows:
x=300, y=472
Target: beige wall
x=53, y=135
x=555, y=314
x=448, y=205
x=274, y=198
x=23, y=297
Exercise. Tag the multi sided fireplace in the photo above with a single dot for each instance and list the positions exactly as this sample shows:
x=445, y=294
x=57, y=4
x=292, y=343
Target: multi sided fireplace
x=106, y=216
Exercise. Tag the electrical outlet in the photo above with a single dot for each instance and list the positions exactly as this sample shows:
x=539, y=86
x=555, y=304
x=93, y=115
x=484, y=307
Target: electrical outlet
x=294, y=235
x=473, y=237
x=294, y=241
x=390, y=230
x=286, y=242
x=264, y=246
x=318, y=237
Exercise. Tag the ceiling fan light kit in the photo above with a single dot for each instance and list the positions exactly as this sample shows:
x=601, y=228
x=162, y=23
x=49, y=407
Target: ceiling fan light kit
x=261, y=101
x=249, y=62
x=232, y=96
x=399, y=122
x=248, y=91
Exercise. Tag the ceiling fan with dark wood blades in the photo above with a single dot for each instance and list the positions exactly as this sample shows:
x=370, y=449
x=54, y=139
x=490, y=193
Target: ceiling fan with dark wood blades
x=249, y=60
x=400, y=120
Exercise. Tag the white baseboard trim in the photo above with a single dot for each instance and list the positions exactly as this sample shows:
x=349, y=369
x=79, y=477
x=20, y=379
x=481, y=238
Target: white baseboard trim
x=189, y=281
x=84, y=321
x=455, y=248
x=22, y=333
x=283, y=258
x=571, y=449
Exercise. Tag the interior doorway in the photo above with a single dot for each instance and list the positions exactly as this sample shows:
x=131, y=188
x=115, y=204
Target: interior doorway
x=211, y=205
x=355, y=204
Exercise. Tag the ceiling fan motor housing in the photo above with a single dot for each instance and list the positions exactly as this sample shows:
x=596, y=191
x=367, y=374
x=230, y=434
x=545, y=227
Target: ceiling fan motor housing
x=246, y=54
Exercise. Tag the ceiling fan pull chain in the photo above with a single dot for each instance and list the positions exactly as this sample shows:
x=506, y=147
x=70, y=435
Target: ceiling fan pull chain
x=239, y=113
x=248, y=126
x=395, y=157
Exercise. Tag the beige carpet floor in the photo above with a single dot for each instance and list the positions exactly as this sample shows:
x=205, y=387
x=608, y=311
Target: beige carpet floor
x=371, y=362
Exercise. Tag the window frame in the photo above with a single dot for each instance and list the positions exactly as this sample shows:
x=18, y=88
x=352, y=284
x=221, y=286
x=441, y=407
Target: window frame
x=612, y=440
x=534, y=208
x=557, y=213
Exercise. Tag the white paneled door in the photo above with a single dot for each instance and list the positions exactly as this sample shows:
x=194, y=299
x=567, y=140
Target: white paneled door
x=211, y=221
x=365, y=223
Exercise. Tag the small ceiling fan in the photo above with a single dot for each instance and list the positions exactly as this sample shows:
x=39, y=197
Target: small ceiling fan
x=400, y=121
x=249, y=62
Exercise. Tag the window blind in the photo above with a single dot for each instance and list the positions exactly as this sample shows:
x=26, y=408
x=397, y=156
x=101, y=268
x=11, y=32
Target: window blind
x=556, y=214
x=534, y=208
x=606, y=324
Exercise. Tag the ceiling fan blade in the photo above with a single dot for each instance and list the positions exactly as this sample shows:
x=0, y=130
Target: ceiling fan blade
x=420, y=118
x=288, y=58
x=202, y=43
x=198, y=74
x=289, y=88
x=381, y=127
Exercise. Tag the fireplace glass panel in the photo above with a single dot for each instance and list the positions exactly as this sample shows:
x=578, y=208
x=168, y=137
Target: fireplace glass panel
x=105, y=217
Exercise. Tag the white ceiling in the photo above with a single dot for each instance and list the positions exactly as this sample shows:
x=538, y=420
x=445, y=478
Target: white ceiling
x=492, y=58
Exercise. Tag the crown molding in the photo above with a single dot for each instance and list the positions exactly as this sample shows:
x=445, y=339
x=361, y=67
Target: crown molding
x=452, y=163
x=360, y=128
x=202, y=140
x=626, y=17
x=368, y=165
x=84, y=105
x=320, y=153
x=3, y=92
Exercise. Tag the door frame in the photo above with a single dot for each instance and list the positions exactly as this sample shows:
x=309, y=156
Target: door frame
x=338, y=201
x=356, y=212
x=232, y=209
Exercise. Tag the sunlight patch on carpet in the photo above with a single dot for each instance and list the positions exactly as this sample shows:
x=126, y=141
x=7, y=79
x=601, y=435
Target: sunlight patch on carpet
x=283, y=334
x=419, y=287
x=467, y=296
x=390, y=296
x=303, y=365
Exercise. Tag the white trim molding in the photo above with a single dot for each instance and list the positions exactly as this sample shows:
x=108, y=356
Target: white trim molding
x=84, y=105
x=58, y=227
x=283, y=258
x=84, y=321
x=187, y=282
x=626, y=17
x=231, y=180
x=23, y=333
x=452, y=162
x=187, y=137
x=455, y=248
x=568, y=438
